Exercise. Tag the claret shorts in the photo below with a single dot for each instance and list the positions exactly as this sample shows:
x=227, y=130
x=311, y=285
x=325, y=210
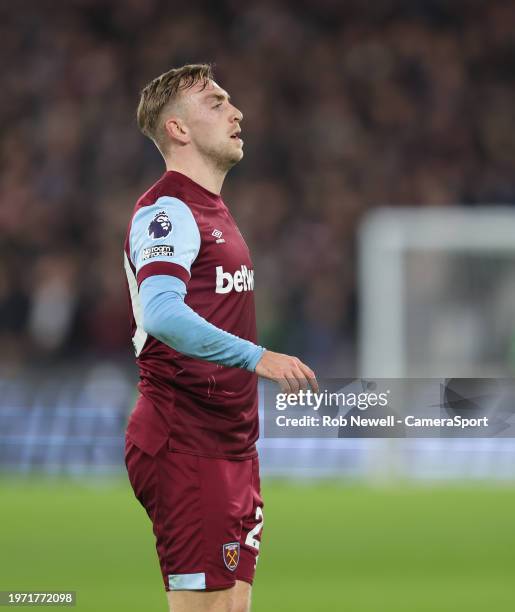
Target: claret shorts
x=207, y=515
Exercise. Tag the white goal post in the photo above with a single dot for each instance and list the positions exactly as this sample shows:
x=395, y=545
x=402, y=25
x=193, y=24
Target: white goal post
x=460, y=238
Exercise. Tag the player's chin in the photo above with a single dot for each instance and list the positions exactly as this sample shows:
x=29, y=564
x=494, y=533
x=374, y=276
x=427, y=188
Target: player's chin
x=237, y=146
x=235, y=157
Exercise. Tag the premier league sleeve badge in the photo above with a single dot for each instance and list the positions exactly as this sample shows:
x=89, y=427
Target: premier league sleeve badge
x=160, y=226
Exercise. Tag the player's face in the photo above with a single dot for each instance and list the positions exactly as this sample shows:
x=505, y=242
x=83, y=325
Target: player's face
x=214, y=125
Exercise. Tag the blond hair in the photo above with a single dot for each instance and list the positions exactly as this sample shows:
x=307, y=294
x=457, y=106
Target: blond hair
x=163, y=90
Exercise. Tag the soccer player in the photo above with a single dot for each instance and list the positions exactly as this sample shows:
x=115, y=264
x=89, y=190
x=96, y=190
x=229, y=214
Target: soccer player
x=190, y=444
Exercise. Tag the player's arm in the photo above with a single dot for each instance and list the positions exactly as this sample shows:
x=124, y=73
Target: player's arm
x=163, y=269
x=168, y=318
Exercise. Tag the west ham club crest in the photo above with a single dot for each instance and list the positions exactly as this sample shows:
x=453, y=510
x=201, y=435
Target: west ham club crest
x=231, y=555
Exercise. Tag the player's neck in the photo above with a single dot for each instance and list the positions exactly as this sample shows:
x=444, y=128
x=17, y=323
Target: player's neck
x=210, y=178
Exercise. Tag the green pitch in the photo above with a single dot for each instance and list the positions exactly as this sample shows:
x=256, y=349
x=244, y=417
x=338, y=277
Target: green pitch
x=327, y=547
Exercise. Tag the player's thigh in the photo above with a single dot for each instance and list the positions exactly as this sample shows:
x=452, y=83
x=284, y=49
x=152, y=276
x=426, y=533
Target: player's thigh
x=234, y=599
x=241, y=600
x=201, y=601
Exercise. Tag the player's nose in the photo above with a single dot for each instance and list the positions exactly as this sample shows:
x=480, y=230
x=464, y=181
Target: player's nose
x=236, y=115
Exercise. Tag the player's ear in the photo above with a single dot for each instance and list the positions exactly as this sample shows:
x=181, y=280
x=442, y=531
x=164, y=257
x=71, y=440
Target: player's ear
x=177, y=130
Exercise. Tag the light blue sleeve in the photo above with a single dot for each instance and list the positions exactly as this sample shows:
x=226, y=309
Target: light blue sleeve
x=167, y=318
x=165, y=231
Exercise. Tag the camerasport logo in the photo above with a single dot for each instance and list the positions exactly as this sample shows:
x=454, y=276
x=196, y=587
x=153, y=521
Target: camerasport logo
x=241, y=280
x=159, y=250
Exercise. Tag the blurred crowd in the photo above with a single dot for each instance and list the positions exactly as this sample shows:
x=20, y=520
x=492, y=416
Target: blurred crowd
x=347, y=106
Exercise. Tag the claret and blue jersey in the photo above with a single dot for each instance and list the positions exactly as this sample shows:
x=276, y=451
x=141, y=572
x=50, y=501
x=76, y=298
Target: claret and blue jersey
x=191, y=281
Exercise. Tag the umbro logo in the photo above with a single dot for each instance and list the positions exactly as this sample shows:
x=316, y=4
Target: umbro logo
x=218, y=235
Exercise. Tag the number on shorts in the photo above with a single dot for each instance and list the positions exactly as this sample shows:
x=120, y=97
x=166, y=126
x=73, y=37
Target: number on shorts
x=251, y=536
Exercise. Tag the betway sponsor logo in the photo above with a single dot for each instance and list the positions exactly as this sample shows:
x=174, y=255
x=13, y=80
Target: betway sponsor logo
x=241, y=280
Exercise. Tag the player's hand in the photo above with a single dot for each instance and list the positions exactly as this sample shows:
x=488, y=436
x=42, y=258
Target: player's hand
x=291, y=374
